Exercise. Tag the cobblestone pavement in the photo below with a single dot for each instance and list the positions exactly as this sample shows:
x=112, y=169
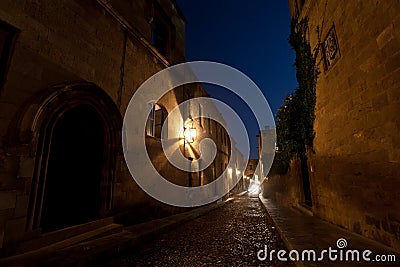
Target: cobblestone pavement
x=228, y=236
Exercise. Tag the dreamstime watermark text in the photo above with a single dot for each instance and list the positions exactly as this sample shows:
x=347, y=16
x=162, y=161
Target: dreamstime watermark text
x=338, y=253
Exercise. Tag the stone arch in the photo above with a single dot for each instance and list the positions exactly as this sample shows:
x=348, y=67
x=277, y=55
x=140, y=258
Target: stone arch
x=31, y=132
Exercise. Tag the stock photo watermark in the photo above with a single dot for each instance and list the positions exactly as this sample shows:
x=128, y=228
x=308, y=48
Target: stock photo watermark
x=334, y=254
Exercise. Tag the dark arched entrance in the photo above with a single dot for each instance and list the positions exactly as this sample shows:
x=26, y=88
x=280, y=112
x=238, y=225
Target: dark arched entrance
x=74, y=170
x=72, y=134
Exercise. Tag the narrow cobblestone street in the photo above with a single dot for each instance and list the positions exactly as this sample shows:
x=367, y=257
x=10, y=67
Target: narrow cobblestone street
x=228, y=236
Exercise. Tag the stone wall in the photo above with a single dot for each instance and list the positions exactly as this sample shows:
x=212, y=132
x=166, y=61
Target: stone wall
x=286, y=189
x=62, y=48
x=355, y=168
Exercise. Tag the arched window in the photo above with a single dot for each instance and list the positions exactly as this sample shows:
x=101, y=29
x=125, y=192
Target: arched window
x=156, y=119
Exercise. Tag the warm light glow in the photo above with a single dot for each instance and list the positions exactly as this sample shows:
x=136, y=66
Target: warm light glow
x=189, y=134
x=254, y=187
x=229, y=199
x=230, y=170
x=237, y=172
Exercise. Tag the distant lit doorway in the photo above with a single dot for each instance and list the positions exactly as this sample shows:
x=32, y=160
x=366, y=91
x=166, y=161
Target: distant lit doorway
x=74, y=170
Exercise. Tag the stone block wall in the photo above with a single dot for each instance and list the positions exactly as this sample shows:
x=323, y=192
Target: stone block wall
x=286, y=189
x=60, y=44
x=355, y=168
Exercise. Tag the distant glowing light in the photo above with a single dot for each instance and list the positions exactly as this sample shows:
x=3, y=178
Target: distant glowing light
x=254, y=187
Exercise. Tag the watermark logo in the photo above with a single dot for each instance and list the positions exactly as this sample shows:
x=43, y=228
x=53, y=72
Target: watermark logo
x=135, y=119
x=329, y=254
x=341, y=243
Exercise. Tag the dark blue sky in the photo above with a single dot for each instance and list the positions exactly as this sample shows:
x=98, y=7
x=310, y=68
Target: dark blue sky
x=250, y=36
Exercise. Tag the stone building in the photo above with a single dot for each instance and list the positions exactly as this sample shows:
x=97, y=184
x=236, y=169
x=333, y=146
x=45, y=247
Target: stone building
x=249, y=173
x=266, y=140
x=251, y=168
x=354, y=169
x=67, y=72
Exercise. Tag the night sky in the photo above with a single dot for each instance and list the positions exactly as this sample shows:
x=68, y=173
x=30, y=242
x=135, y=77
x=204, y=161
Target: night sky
x=250, y=36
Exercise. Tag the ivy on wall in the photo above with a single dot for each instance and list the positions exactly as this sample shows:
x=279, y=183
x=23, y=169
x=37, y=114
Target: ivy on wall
x=295, y=119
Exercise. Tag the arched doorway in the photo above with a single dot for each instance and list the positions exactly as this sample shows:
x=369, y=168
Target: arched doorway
x=74, y=170
x=72, y=135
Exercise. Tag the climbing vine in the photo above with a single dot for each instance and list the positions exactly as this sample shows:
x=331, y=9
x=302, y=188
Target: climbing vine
x=295, y=119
